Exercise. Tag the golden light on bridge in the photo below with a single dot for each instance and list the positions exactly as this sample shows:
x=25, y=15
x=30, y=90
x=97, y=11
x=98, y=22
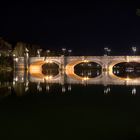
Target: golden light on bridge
x=85, y=78
x=48, y=77
x=36, y=69
x=127, y=59
x=86, y=61
x=128, y=79
x=48, y=61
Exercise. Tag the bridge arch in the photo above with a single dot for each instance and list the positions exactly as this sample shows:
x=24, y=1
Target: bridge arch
x=35, y=68
x=69, y=69
x=111, y=65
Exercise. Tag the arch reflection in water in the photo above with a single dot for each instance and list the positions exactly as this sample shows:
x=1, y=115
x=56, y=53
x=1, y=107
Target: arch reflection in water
x=129, y=70
x=22, y=85
x=6, y=83
x=88, y=69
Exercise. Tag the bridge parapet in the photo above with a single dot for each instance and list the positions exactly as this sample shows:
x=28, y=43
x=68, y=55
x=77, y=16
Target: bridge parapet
x=57, y=60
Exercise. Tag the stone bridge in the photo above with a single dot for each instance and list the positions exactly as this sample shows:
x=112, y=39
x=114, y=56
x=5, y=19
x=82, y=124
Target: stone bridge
x=67, y=63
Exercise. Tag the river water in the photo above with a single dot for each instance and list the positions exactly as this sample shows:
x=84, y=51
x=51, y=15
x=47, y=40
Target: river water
x=37, y=108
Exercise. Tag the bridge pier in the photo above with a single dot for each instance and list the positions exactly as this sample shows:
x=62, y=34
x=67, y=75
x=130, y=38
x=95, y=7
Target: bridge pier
x=26, y=60
x=62, y=64
x=104, y=68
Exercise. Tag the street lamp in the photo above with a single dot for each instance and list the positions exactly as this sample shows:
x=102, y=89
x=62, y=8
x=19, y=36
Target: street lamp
x=134, y=49
x=48, y=51
x=109, y=50
x=38, y=52
x=105, y=49
x=26, y=52
x=69, y=51
x=47, y=54
x=63, y=50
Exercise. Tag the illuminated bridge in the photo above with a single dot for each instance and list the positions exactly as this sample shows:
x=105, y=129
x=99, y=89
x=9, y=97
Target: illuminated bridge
x=66, y=65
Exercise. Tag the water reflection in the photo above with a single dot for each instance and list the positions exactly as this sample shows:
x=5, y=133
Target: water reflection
x=107, y=89
x=6, y=79
x=23, y=82
x=134, y=90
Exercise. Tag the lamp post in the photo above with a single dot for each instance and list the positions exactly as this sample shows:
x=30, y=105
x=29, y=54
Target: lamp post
x=64, y=51
x=38, y=52
x=26, y=58
x=69, y=51
x=105, y=49
x=48, y=52
x=109, y=51
x=134, y=49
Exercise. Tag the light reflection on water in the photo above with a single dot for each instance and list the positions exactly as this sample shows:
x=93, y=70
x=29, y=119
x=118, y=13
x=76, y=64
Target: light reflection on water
x=54, y=81
x=61, y=102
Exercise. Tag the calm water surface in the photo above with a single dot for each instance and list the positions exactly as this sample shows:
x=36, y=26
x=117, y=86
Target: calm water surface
x=67, y=110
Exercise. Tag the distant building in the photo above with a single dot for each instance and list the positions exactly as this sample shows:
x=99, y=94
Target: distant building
x=21, y=47
x=18, y=50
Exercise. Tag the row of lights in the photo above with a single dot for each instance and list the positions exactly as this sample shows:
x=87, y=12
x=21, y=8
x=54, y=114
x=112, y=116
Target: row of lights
x=69, y=51
x=107, y=89
x=108, y=50
x=64, y=51
x=39, y=88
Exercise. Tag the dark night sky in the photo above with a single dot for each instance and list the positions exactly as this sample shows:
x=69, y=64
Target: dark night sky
x=83, y=27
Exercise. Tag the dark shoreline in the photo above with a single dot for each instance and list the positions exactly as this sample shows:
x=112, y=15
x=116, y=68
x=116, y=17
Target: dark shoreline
x=3, y=68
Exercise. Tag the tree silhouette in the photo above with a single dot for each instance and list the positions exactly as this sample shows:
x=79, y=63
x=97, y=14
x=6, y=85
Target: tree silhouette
x=19, y=49
x=138, y=12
